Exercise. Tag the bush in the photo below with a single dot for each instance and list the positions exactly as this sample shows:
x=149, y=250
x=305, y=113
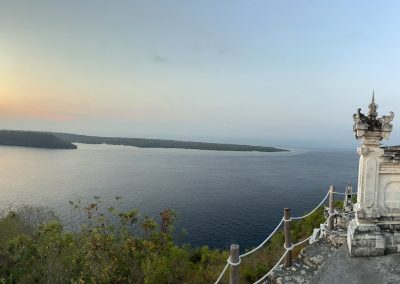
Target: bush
x=109, y=247
x=120, y=247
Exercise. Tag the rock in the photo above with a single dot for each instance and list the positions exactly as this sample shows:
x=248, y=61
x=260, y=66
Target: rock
x=308, y=262
x=298, y=279
x=314, y=236
x=317, y=260
x=336, y=240
x=271, y=275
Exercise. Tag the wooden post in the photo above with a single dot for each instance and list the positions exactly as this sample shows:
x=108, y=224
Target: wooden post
x=331, y=207
x=234, y=258
x=288, y=239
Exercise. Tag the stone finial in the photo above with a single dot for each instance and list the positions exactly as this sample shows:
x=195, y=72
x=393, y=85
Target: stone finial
x=373, y=107
x=376, y=127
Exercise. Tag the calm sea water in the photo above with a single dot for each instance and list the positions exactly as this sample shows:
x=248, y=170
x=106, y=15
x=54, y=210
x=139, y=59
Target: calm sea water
x=221, y=197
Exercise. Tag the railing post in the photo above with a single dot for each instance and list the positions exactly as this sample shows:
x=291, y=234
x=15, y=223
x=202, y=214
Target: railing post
x=331, y=207
x=288, y=239
x=234, y=258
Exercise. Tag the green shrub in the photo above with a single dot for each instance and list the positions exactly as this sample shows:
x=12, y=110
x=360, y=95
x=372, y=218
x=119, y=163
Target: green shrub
x=120, y=247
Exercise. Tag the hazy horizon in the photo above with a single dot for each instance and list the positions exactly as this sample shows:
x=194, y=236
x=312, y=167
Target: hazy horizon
x=249, y=72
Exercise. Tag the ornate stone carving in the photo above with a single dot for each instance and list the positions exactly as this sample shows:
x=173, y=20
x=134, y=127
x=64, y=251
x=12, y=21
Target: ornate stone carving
x=364, y=152
x=389, y=168
x=371, y=123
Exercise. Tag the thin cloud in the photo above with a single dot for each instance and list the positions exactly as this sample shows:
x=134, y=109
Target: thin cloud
x=159, y=59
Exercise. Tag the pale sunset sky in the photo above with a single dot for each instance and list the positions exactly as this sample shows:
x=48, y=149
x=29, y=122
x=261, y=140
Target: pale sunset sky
x=260, y=72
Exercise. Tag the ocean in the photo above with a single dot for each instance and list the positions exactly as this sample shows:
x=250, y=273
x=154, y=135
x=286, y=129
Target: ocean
x=220, y=197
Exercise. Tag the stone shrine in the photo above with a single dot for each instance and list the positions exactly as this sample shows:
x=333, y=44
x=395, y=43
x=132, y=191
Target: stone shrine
x=375, y=230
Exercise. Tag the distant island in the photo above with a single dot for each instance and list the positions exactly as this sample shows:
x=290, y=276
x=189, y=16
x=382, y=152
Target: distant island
x=161, y=143
x=33, y=139
x=65, y=141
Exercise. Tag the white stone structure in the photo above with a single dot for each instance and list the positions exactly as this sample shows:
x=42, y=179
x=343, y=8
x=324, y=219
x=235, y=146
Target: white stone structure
x=376, y=227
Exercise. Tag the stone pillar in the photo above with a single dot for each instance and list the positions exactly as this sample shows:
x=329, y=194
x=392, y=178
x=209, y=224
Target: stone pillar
x=364, y=236
x=370, y=153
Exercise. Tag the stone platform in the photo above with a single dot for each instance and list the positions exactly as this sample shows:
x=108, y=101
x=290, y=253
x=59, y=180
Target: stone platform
x=365, y=239
x=341, y=268
x=372, y=239
x=328, y=261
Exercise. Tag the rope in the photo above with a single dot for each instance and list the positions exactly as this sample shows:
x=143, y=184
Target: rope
x=269, y=237
x=287, y=249
x=263, y=243
x=343, y=193
x=319, y=205
x=233, y=263
x=248, y=253
x=222, y=273
x=303, y=241
x=273, y=268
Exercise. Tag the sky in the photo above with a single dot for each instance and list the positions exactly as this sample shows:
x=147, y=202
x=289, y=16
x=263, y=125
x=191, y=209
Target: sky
x=256, y=72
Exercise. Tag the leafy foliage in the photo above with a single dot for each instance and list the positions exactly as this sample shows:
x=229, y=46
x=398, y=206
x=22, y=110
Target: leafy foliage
x=110, y=247
x=120, y=247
